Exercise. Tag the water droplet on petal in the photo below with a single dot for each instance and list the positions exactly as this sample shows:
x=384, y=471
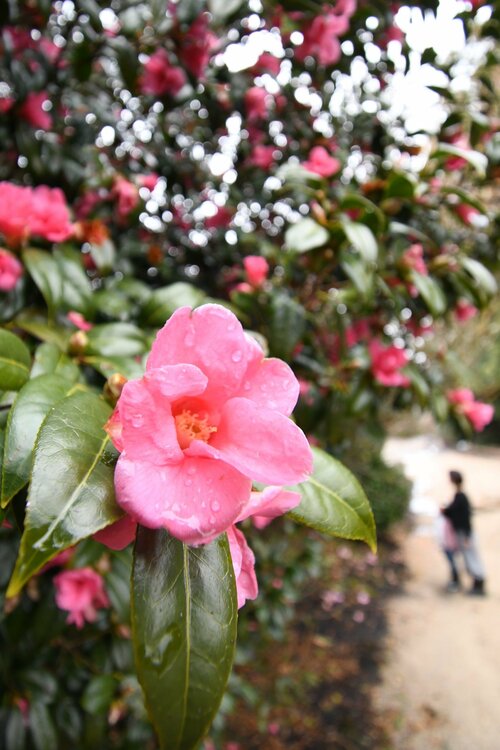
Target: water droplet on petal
x=246, y=385
x=203, y=504
x=237, y=355
x=188, y=482
x=176, y=507
x=191, y=470
x=215, y=506
x=137, y=420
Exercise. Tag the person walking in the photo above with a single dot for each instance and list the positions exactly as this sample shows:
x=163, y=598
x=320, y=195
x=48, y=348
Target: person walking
x=459, y=513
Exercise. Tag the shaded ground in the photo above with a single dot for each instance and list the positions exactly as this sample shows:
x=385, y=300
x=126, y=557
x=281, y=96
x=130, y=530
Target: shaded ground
x=441, y=681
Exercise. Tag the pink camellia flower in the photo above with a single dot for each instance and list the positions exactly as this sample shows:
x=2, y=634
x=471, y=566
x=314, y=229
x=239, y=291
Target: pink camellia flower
x=127, y=196
x=148, y=180
x=256, y=269
x=11, y=271
x=468, y=214
x=386, y=363
x=221, y=218
x=15, y=207
x=6, y=104
x=32, y=110
x=80, y=592
x=321, y=34
x=257, y=103
x=413, y=258
x=198, y=46
x=262, y=156
x=478, y=413
x=209, y=416
x=49, y=216
x=267, y=63
x=160, y=77
x=243, y=564
x=464, y=310
x=79, y=321
x=460, y=140
x=320, y=162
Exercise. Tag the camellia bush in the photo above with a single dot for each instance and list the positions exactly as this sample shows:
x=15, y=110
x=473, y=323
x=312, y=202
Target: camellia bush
x=209, y=213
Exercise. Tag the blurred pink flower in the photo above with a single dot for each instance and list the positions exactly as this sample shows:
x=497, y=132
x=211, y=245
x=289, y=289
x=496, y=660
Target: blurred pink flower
x=460, y=140
x=198, y=46
x=209, y=416
x=478, y=413
x=413, y=258
x=468, y=214
x=15, y=207
x=257, y=103
x=11, y=271
x=320, y=162
x=464, y=310
x=221, y=218
x=32, y=110
x=80, y=592
x=262, y=156
x=6, y=103
x=160, y=77
x=256, y=269
x=49, y=216
x=267, y=63
x=386, y=363
x=79, y=321
x=321, y=34
x=127, y=196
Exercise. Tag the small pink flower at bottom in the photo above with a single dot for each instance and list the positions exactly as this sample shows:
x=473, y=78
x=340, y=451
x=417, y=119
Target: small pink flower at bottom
x=209, y=417
x=256, y=269
x=386, y=363
x=464, y=310
x=11, y=271
x=477, y=413
x=80, y=592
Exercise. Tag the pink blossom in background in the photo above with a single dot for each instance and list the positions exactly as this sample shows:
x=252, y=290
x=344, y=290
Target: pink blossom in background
x=32, y=110
x=321, y=34
x=468, y=214
x=160, y=77
x=464, y=310
x=11, y=271
x=221, y=218
x=209, y=416
x=460, y=140
x=79, y=321
x=262, y=157
x=86, y=203
x=320, y=162
x=386, y=363
x=392, y=34
x=127, y=196
x=15, y=207
x=256, y=269
x=198, y=46
x=80, y=592
x=49, y=216
x=256, y=103
x=148, y=181
x=6, y=104
x=413, y=258
x=358, y=331
x=267, y=63
x=244, y=566
x=478, y=413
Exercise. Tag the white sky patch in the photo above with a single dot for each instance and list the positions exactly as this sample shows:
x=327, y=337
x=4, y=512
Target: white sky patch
x=243, y=55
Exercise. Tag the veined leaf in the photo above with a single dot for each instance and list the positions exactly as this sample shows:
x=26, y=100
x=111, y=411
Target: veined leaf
x=431, y=292
x=50, y=359
x=305, y=235
x=15, y=362
x=116, y=340
x=46, y=274
x=362, y=239
x=165, y=301
x=71, y=493
x=30, y=408
x=184, y=630
x=334, y=502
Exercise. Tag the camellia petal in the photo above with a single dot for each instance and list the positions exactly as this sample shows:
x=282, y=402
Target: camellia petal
x=271, y=384
x=209, y=337
x=268, y=504
x=243, y=564
x=262, y=444
x=118, y=535
x=195, y=500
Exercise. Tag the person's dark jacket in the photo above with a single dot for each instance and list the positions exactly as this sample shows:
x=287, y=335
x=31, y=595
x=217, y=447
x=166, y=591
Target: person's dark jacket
x=459, y=513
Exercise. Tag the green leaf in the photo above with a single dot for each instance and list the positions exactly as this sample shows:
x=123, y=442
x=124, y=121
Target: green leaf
x=77, y=290
x=431, y=292
x=305, y=235
x=287, y=325
x=483, y=278
x=71, y=494
x=116, y=340
x=400, y=186
x=15, y=732
x=50, y=359
x=46, y=274
x=42, y=728
x=362, y=239
x=43, y=330
x=107, y=366
x=222, y=9
x=98, y=694
x=30, y=408
x=165, y=301
x=15, y=362
x=184, y=620
x=359, y=273
x=474, y=158
x=334, y=502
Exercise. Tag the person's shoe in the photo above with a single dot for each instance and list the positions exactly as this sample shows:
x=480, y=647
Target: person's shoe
x=452, y=587
x=477, y=588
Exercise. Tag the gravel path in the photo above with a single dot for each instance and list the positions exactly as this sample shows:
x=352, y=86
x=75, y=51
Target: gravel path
x=440, y=685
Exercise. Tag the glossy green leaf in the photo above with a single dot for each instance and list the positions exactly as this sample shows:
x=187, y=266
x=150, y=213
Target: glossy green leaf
x=483, y=278
x=474, y=158
x=71, y=493
x=43, y=330
x=334, y=503
x=15, y=362
x=163, y=302
x=222, y=9
x=77, y=290
x=46, y=274
x=116, y=340
x=49, y=359
x=184, y=620
x=359, y=272
x=42, y=728
x=305, y=235
x=432, y=293
x=98, y=694
x=30, y=408
x=362, y=239
x=287, y=325
x=107, y=366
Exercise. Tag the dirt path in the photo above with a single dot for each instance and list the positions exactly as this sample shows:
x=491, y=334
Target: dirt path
x=441, y=683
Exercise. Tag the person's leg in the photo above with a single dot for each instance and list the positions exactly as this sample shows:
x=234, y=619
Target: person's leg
x=473, y=562
x=454, y=583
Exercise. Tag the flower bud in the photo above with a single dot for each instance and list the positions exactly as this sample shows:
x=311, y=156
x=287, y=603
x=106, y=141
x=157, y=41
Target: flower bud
x=78, y=343
x=113, y=387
